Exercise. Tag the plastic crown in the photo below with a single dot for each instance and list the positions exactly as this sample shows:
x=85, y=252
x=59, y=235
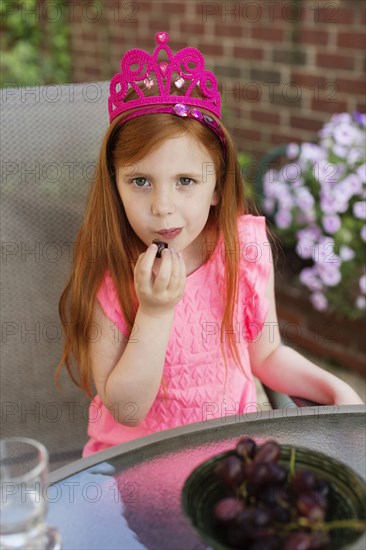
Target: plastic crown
x=150, y=70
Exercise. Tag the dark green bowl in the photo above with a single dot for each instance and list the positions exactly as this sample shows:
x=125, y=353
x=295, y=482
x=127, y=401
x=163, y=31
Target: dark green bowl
x=347, y=499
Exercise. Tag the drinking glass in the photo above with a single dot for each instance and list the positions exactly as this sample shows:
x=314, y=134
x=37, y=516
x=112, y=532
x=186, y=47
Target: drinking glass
x=23, y=497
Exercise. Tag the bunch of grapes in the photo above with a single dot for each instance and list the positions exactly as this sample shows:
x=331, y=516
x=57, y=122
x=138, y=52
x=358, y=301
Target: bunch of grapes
x=268, y=506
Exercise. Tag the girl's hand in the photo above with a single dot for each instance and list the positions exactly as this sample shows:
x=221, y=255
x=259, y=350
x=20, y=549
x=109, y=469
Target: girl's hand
x=159, y=295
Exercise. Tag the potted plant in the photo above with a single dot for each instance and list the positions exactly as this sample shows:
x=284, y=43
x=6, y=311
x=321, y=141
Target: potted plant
x=317, y=203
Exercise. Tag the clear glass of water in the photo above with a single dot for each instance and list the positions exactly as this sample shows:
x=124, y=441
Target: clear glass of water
x=23, y=496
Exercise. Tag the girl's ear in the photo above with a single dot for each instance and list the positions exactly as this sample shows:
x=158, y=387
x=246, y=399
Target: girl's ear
x=215, y=197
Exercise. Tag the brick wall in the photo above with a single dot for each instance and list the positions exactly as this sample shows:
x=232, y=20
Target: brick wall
x=283, y=66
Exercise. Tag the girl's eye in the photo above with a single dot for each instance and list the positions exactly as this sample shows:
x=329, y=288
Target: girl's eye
x=186, y=182
x=139, y=182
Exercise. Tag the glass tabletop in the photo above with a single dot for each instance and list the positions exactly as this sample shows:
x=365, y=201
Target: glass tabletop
x=129, y=497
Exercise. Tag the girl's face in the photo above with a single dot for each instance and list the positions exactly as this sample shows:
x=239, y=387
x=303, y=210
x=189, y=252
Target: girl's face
x=172, y=187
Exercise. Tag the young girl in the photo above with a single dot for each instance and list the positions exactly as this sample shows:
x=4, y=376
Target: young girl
x=174, y=340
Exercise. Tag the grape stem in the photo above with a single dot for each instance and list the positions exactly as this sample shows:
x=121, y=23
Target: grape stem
x=358, y=525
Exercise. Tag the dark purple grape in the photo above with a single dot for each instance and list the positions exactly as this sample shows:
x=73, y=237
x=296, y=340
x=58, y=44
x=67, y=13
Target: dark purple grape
x=278, y=474
x=309, y=508
x=320, y=541
x=304, y=481
x=269, y=452
x=261, y=517
x=241, y=531
x=281, y=514
x=260, y=474
x=230, y=471
x=274, y=494
x=246, y=447
x=227, y=509
x=161, y=245
x=322, y=487
x=271, y=542
x=298, y=541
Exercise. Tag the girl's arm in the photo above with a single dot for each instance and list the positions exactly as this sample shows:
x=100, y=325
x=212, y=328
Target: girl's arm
x=287, y=371
x=128, y=373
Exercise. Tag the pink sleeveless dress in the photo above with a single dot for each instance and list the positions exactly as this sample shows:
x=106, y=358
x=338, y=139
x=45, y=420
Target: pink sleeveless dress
x=194, y=369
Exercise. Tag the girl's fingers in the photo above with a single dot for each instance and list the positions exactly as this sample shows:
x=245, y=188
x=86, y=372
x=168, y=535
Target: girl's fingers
x=175, y=274
x=144, y=265
x=162, y=279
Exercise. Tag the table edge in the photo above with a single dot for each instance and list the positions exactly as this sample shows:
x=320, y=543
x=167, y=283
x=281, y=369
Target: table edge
x=288, y=411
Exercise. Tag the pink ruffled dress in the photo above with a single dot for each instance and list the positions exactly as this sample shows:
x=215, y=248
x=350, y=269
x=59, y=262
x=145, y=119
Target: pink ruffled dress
x=194, y=370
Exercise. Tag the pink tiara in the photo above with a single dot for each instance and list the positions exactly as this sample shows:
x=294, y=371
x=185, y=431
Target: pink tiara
x=150, y=71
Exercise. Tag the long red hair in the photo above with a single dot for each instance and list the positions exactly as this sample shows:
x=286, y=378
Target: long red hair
x=106, y=240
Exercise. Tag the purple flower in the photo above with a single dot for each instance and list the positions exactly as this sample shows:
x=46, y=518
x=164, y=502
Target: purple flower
x=362, y=284
x=268, y=205
x=363, y=233
x=359, y=210
x=292, y=172
x=331, y=223
x=346, y=135
x=283, y=219
x=319, y=301
x=309, y=278
x=292, y=150
x=340, y=150
x=351, y=185
x=361, y=172
x=346, y=253
x=361, y=302
x=304, y=199
x=360, y=118
x=312, y=152
x=329, y=274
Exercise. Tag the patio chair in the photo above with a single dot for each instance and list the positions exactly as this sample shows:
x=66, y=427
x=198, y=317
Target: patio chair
x=51, y=139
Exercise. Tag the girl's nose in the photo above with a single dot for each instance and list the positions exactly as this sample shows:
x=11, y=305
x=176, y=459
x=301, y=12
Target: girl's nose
x=162, y=203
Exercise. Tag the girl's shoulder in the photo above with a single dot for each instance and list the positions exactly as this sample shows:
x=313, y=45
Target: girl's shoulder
x=108, y=299
x=252, y=229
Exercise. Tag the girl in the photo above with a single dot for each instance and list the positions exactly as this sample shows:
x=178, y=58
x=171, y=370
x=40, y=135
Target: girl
x=174, y=340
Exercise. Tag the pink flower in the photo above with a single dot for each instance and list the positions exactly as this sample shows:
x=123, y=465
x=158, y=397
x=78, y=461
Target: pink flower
x=309, y=278
x=361, y=172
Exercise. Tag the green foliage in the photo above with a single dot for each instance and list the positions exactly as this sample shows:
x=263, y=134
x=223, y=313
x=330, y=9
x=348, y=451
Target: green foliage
x=35, y=43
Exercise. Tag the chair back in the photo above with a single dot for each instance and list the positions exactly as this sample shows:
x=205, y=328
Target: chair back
x=51, y=137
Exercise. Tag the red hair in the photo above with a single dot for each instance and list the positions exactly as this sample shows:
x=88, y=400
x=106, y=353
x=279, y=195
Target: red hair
x=105, y=229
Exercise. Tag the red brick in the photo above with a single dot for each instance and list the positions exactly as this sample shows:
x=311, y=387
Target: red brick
x=283, y=138
x=356, y=40
x=192, y=28
x=231, y=30
x=172, y=7
x=329, y=106
x=335, y=61
x=307, y=80
x=351, y=86
x=265, y=117
x=248, y=134
x=244, y=52
x=211, y=49
x=313, y=37
x=267, y=34
x=305, y=123
x=332, y=14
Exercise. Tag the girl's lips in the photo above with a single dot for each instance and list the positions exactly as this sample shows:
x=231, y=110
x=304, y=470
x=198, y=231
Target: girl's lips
x=170, y=234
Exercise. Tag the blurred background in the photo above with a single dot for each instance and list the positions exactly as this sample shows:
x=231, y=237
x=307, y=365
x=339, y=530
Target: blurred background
x=284, y=69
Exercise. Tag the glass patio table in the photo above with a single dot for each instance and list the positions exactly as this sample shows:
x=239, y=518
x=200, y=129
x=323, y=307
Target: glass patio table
x=129, y=496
